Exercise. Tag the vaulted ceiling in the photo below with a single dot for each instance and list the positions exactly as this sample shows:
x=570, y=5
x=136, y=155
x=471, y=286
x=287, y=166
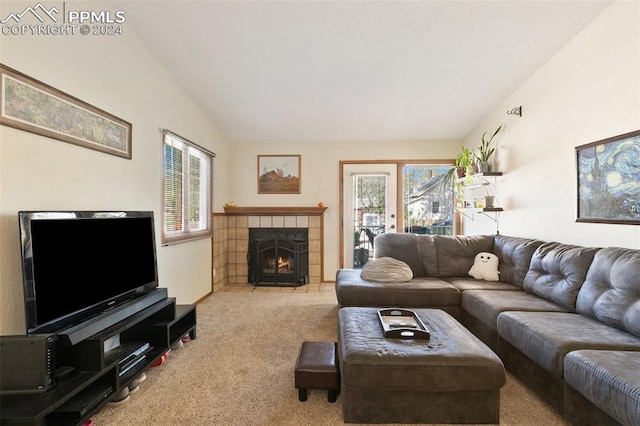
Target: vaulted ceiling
x=343, y=71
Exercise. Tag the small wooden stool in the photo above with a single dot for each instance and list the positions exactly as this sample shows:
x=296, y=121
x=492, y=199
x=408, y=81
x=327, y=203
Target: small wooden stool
x=317, y=368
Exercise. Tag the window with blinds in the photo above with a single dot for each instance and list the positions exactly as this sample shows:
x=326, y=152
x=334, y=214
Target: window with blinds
x=187, y=190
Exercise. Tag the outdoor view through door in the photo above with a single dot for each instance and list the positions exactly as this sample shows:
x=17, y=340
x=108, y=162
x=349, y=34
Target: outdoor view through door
x=428, y=199
x=370, y=208
x=369, y=217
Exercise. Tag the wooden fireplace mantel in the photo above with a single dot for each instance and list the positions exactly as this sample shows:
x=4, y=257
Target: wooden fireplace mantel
x=274, y=211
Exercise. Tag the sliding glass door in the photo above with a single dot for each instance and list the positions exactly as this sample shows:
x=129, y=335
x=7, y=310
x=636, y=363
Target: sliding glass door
x=380, y=197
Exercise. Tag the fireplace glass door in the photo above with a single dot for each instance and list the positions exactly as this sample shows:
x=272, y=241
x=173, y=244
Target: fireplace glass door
x=278, y=256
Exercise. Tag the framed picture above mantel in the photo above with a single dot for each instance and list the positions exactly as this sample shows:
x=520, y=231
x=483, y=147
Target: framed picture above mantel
x=609, y=180
x=279, y=174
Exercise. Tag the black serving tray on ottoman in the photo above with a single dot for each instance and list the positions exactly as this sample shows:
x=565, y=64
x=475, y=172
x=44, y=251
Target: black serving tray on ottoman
x=402, y=324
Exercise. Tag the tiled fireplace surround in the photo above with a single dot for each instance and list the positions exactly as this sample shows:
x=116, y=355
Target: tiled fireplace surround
x=231, y=239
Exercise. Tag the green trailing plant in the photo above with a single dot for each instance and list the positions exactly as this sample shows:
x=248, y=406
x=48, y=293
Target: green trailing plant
x=464, y=161
x=450, y=176
x=452, y=179
x=464, y=165
x=462, y=169
x=459, y=188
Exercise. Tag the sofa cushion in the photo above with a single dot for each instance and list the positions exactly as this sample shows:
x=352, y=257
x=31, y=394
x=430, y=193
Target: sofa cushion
x=386, y=269
x=468, y=283
x=546, y=337
x=486, y=305
x=457, y=253
x=352, y=290
x=557, y=272
x=403, y=247
x=611, y=290
x=428, y=254
x=515, y=257
x=609, y=379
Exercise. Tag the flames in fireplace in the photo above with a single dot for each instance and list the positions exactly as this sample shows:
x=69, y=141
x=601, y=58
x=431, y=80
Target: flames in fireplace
x=283, y=265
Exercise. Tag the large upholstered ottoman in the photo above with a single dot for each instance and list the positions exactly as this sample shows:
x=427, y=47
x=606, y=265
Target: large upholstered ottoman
x=450, y=378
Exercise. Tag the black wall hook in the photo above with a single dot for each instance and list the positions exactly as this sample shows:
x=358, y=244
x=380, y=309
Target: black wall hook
x=516, y=111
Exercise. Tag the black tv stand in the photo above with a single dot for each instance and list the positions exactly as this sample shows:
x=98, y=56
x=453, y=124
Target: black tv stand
x=94, y=371
x=63, y=371
x=75, y=334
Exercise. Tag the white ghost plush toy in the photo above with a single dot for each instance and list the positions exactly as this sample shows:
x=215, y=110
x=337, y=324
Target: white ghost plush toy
x=485, y=267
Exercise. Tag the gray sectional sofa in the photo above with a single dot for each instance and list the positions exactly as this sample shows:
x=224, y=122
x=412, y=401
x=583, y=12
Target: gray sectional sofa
x=564, y=319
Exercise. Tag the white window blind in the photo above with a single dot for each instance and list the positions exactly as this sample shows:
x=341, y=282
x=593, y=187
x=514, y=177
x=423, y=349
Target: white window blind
x=187, y=189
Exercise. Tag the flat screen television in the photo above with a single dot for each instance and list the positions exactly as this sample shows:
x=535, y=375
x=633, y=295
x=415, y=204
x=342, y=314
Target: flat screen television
x=80, y=264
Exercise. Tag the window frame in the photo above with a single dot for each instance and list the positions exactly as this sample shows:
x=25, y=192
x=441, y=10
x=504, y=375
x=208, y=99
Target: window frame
x=205, y=197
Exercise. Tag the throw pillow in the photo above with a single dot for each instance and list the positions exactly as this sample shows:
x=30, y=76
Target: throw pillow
x=485, y=267
x=386, y=270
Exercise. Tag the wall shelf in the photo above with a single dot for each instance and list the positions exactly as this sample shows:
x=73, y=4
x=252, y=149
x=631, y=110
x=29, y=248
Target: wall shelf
x=475, y=188
x=470, y=212
x=480, y=178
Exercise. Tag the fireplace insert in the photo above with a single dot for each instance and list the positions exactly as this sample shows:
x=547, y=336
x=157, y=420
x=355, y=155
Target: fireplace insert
x=278, y=256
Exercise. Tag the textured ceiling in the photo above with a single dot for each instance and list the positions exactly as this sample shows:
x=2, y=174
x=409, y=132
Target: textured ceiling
x=343, y=71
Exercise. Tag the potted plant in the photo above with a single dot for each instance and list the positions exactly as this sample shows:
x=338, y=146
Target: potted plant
x=463, y=169
x=464, y=162
x=485, y=151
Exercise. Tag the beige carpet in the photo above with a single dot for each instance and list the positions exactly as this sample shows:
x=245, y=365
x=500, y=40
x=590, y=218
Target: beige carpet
x=239, y=369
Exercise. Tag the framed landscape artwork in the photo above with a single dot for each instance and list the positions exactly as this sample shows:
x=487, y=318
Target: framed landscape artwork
x=278, y=174
x=36, y=107
x=609, y=180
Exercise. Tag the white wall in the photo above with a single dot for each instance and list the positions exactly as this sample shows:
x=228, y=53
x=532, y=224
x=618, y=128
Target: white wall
x=320, y=173
x=119, y=75
x=588, y=92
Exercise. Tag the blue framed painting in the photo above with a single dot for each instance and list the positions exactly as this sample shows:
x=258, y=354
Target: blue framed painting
x=609, y=180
